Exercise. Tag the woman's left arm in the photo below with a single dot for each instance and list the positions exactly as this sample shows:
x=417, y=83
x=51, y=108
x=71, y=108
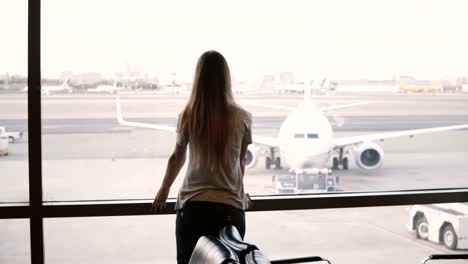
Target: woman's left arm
x=175, y=163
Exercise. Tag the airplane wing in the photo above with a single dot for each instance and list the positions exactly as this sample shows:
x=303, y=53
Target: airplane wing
x=267, y=141
x=346, y=141
x=334, y=107
x=137, y=124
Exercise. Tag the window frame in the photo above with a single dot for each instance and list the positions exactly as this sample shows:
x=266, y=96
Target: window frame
x=36, y=210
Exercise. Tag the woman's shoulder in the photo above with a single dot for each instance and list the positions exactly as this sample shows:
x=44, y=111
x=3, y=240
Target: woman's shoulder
x=243, y=114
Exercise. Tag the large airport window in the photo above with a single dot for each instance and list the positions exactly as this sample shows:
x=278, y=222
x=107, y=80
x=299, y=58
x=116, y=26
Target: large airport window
x=364, y=235
x=13, y=102
x=381, y=82
x=14, y=241
x=384, y=84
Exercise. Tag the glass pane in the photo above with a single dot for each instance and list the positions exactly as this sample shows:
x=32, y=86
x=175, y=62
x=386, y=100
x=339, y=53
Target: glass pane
x=353, y=74
x=344, y=236
x=13, y=102
x=363, y=235
x=15, y=241
x=135, y=239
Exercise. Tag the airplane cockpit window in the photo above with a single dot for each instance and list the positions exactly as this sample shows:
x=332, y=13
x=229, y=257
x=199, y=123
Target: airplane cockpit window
x=312, y=135
x=298, y=135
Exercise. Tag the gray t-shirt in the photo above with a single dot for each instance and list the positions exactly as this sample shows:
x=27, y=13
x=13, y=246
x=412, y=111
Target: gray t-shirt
x=224, y=185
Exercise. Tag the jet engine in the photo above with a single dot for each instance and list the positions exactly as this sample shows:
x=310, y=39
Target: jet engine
x=368, y=156
x=251, y=156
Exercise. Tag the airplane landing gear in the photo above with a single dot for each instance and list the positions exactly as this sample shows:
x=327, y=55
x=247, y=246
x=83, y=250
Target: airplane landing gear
x=278, y=163
x=345, y=163
x=268, y=163
x=336, y=163
x=272, y=160
x=340, y=160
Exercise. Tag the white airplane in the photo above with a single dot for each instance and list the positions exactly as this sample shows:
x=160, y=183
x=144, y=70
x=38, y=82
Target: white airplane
x=290, y=88
x=320, y=86
x=105, y=89
x=49, y=89
x=173, y=89
x=244, y=87
x=306, y=139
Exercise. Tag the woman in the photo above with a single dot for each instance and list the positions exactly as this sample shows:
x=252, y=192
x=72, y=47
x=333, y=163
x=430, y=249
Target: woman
x=217, y=132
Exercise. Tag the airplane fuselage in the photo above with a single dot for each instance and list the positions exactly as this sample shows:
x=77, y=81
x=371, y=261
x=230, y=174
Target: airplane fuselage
x=64, y=87
x=103, y=89
x=305, y=138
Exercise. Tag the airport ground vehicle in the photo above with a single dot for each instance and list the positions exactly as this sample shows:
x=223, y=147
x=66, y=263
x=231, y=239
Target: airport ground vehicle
x=441, y=223
x=305, y=180
x=12, y=136
x=3, y=145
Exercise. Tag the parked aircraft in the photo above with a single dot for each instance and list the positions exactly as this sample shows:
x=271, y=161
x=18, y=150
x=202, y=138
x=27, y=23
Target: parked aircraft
x=50, y=89
x=418, y=88
x=318, y=86
x=105, y=89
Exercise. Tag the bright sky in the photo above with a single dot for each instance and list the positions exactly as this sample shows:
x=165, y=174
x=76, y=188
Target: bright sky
x=339, y=39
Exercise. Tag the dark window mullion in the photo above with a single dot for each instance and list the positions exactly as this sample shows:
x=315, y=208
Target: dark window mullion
x=34, y=131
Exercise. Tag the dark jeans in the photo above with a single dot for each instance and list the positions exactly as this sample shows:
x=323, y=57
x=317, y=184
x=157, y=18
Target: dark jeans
x=199, y=218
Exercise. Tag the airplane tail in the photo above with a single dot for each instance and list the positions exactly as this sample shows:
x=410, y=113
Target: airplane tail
x=325, y=83
x=66, y=86
x=317, y=84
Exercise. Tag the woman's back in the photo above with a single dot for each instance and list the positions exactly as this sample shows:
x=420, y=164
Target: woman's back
x=222, y=183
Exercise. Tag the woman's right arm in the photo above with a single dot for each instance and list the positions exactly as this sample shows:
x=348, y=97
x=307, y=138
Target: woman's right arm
x=174, y=165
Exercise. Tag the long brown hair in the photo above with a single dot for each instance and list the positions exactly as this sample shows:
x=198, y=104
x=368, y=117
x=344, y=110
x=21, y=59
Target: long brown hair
x=210, y=115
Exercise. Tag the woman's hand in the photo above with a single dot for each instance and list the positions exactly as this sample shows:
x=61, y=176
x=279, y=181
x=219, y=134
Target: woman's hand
x=160, y=199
